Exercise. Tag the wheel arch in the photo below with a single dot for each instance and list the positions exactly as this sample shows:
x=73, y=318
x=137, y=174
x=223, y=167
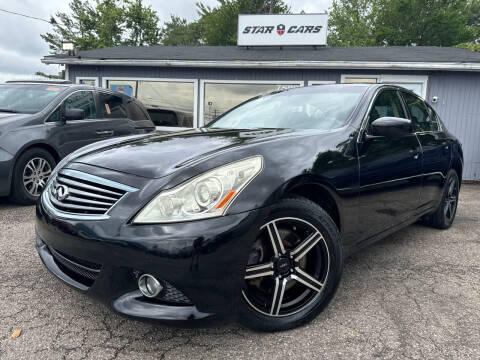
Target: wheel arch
x=317, y=191
x=29, y=146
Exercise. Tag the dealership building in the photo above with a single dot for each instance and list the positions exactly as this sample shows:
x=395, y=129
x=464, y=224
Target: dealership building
x=188, y=86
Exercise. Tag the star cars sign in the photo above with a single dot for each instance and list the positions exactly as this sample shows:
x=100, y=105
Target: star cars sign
x=282, y=30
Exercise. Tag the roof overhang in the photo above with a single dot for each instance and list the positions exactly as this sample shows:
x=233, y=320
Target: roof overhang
x=273, y=64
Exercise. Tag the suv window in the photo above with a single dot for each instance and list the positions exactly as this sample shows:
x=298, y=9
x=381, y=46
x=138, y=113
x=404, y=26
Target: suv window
x=422, y=118
x=387, y=103
x=135, y=112
x=81, y=100
x=113, y=106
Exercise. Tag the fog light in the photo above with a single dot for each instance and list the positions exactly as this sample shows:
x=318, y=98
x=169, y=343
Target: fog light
x=149, y=286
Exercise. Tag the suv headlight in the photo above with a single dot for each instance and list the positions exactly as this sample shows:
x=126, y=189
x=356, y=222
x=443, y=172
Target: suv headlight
x=207, y=195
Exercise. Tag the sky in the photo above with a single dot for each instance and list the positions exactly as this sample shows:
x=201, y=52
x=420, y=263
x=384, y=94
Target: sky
x=21, y=47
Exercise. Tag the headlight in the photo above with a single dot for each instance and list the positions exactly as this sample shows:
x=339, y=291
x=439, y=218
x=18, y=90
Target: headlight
x=207, y=195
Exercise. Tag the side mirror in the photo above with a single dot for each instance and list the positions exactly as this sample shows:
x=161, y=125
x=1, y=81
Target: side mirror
x=74, y=114
x=391, y=127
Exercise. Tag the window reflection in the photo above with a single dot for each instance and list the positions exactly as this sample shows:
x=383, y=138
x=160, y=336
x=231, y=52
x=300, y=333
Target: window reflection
x=220, y=97
x=168, y=103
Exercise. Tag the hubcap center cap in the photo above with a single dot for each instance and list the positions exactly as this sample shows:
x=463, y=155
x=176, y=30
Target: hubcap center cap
x=283, y=266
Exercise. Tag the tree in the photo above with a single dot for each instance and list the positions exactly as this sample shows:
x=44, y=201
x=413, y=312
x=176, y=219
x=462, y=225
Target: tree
x=56, y=77
x=402, y=22
x=436, y=23
x=106, y=23
x=351, y=23
x=142, y=23
x=178, y=31
x=220, y=23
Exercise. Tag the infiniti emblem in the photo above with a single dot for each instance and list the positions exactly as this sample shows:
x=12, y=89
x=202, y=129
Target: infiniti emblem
x=61, y=192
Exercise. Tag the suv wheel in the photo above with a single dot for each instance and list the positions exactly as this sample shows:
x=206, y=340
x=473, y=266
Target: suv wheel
x=30, y=175
x=293, y=269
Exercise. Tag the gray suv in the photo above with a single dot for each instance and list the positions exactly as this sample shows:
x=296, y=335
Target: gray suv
x=40, y=123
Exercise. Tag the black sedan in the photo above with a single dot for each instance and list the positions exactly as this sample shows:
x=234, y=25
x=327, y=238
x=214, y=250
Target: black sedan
x=251, y=217
x=42, y=122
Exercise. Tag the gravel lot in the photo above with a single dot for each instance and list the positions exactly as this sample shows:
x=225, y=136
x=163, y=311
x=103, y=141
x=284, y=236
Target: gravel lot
x=413, y=295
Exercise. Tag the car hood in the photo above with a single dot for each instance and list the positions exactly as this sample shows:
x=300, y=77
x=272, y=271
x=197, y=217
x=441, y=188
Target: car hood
x=7, y=117
x=160, y=154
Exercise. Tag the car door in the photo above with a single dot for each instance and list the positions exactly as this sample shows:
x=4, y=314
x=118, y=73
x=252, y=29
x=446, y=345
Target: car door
x=113, y=111
x=390, y=170
x=124, y=115
x=69, y=135
x=436, y=146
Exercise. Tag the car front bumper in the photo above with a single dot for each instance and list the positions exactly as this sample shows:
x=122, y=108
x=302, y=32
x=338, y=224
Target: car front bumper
x=6, y=166
x=202, y=260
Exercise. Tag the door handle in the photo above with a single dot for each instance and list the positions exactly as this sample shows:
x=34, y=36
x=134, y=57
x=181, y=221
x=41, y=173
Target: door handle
x=105, y=132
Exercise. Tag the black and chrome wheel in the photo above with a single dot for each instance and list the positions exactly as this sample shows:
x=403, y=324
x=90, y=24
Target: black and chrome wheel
x=293, y=268
x=443, y=217
x=30, y=175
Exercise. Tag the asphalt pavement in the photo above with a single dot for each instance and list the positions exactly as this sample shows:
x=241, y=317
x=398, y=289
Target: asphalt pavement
x=413, y=295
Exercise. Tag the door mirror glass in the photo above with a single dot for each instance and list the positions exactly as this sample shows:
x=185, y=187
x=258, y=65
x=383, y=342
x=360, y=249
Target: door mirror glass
x=74, y=114
x=391, y=127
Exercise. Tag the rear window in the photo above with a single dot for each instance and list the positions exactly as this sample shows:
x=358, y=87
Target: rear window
x=113, y=106
x=27, y=98
x=135, y=112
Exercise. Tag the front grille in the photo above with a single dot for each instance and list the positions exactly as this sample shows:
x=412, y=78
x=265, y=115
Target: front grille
x=85, y=272
x=77, y=193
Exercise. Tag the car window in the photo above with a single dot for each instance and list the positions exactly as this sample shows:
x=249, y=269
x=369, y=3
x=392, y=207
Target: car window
x=55, y=116
x=435, y=119
x=81, y=100
x=113, y=106
x=135, y=112
x=27, y=98
x=323, y=107
x=387, y=103
x=421, y=117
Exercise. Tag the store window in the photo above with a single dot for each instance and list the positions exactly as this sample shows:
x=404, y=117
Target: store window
x=220, y=97
x=360, y=80
x=90, y=81
x=415, y=83
x=169, y=103
x=124, y=86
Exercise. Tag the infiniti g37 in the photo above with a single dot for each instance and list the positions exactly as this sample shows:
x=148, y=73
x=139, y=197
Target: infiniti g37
x=250, y=217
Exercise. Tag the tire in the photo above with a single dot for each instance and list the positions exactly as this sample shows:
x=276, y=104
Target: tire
x=33, y=159
x=443, y=218
x=296, y=221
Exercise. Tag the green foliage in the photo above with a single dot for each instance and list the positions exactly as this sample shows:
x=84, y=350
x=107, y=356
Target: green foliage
x=403, y=22
x=41, y=73
x=351, y=23
x=470, y=46
x=142, y=23
x=217, y=25
x=106, y=23
x=179, y=32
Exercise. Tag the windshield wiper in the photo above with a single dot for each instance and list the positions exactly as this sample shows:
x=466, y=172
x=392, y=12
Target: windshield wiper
x=8, y=110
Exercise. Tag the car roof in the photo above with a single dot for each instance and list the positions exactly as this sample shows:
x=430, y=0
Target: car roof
x=53, y=82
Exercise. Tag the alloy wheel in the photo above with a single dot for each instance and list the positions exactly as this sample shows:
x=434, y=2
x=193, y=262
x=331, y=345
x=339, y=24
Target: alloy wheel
x=451, y=199
x=287, y=268
x=35, y=175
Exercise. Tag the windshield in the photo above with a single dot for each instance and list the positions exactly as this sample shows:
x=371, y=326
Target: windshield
x=323, y=107
x=27, y=98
